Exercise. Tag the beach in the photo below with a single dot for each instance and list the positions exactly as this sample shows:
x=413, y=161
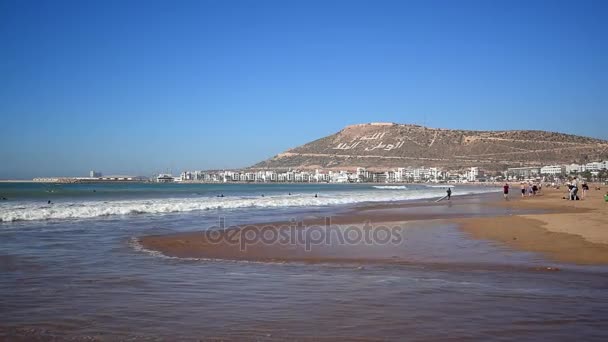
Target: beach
x=140, y=262
x=561, y=230
x=569, y=231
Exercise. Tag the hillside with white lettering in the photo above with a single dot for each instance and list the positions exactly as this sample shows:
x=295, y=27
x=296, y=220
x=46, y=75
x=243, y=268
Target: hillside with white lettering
x=382, y=145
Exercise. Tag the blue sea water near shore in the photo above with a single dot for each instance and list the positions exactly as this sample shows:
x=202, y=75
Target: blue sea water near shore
x=74, y=270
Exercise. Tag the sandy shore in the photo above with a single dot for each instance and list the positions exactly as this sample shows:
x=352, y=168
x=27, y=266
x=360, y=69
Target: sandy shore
x=572, y=231
x=563, y=231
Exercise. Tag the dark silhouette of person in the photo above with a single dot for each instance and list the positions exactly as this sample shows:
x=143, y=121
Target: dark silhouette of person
x=449, y=193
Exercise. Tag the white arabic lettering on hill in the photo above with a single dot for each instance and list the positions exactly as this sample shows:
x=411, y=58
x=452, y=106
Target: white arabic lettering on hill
x=385, y=147
x=345, y=146
x=375, y=136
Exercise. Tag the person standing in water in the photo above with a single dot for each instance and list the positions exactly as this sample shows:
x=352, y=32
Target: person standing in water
x=505, y=191
x=449, y=191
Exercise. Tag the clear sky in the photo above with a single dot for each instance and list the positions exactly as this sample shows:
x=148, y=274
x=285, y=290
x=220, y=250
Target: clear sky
x=139, y=87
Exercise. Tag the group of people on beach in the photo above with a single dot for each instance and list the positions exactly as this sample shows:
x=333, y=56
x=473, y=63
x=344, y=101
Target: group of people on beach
x=573, y=189
x=530, y=189
x=527, y=189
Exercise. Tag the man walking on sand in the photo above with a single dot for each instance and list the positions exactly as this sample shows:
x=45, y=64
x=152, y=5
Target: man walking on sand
x=505, y=191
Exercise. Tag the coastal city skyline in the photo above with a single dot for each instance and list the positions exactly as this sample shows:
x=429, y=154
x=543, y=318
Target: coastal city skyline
x=597, y=170
x=565, y=168
x=179, y=174
x=216, y=85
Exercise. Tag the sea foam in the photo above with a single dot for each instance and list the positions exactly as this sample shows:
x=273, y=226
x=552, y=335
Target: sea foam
x=28, y=211
x=391, y=187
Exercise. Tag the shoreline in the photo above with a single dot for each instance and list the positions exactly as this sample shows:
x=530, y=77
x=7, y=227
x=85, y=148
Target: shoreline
x=559, y=230
x=80, y=181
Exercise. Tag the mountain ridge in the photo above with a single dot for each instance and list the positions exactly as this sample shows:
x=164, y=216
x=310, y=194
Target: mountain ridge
x=380, y=145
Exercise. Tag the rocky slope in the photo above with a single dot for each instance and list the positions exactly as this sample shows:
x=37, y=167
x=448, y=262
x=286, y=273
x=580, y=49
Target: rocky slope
x=383, y=145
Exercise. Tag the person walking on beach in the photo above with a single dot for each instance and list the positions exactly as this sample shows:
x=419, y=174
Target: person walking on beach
x=505, y=191
x=449, y=191
x=585, y=189
x=523, y=190
x=574, y=191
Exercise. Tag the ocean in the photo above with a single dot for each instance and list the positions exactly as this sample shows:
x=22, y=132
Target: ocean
x=73, y=269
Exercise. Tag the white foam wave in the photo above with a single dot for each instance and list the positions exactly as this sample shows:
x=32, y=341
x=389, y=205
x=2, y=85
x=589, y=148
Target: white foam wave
x=391, y=187
x=91, y=209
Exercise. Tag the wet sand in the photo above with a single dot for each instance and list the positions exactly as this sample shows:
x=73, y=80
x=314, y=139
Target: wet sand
x=563, y=231
x=320, y=239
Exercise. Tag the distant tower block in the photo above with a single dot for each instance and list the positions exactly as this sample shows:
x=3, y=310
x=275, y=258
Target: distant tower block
x=94, y=174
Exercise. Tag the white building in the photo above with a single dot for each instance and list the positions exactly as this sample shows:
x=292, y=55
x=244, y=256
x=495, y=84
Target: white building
x=595, y=166
x=338, y=177
x=525, y=172
x=436, y=174
x=164, y=178
x=418, y=175
x=553, y=170
x=472, y=174
x=576, y=168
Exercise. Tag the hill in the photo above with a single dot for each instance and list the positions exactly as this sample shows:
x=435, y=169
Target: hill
x=387, y=145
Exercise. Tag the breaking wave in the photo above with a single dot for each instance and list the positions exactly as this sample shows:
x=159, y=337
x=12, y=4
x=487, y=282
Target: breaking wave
x=29, y=211
x=391, y=187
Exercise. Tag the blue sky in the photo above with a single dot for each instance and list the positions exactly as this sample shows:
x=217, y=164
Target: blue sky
x=139, y=87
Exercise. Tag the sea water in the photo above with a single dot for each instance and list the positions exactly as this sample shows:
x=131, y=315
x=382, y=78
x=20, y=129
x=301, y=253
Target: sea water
x=74, y=270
